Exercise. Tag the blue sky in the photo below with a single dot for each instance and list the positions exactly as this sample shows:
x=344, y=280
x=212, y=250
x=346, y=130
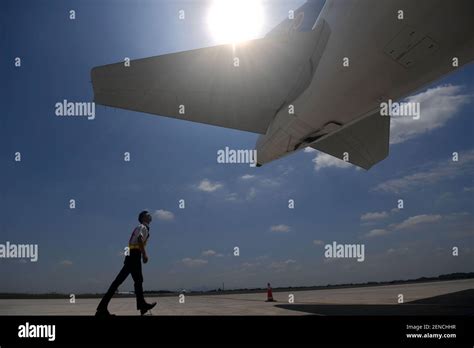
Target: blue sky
x=226, y=205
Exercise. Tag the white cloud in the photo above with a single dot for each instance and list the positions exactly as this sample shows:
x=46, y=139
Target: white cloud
x=318, y=242
x=65, y=263
x=246, y=265
x=279, y=266
x=164, y=215
x=251, y=194
x=285, y=170
x=309, y=150
x=193, y=262
x=232, y=197
x=459, y=214
x=374, y=216
x=209, y=252
x=208, y=186
x=247, y=177
x=280, y=228
x=437, y=106
x=431, y=173
x=393, y=251
x=323, y=160
x=376, y=233
x=270, y=182
x=416, y=220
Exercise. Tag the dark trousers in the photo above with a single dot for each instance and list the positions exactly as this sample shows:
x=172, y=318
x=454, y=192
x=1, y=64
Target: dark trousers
x=131, y=265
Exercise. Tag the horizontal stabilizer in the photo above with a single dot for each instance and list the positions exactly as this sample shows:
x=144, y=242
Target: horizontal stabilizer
x=240, y=88
x=365, y=142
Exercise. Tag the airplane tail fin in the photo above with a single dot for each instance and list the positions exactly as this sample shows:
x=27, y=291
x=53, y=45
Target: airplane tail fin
x=303, y=19
x=362, y=143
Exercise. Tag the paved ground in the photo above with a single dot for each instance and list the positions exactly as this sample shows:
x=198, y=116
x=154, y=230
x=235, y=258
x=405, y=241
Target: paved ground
x=377, y=300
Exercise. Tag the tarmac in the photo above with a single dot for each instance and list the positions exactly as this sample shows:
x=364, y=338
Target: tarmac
x=432, y=298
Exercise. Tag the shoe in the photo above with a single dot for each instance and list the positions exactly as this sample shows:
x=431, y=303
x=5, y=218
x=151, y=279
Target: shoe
x=146, y=307
x=103, y=313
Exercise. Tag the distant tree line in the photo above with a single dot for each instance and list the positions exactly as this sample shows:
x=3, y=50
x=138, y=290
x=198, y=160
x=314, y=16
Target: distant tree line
x=54, y=295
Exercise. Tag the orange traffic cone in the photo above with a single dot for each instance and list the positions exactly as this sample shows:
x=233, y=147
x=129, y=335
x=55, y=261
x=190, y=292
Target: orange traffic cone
x=269, y=294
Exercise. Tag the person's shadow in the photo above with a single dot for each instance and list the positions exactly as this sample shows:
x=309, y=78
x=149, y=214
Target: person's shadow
x=456, y=303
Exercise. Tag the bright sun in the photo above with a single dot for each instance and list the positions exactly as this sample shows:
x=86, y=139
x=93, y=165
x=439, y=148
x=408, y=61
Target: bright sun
x=233, y=21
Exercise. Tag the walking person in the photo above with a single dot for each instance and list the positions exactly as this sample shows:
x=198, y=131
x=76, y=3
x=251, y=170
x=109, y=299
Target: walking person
x=132, y=265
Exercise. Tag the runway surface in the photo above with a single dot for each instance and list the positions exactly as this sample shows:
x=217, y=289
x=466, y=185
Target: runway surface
x=434, y=298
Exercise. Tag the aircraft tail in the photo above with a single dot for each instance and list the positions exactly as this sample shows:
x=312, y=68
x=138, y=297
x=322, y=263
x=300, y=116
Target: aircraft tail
x=363, y=143
x=303, y=19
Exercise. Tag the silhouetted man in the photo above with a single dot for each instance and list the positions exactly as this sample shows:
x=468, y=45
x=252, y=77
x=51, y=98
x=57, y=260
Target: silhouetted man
x=132, y=265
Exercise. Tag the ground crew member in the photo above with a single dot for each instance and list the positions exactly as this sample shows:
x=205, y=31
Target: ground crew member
x=132, y=265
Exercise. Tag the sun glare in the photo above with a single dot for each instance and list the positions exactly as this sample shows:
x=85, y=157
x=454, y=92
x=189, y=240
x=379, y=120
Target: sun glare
x=234, y=21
